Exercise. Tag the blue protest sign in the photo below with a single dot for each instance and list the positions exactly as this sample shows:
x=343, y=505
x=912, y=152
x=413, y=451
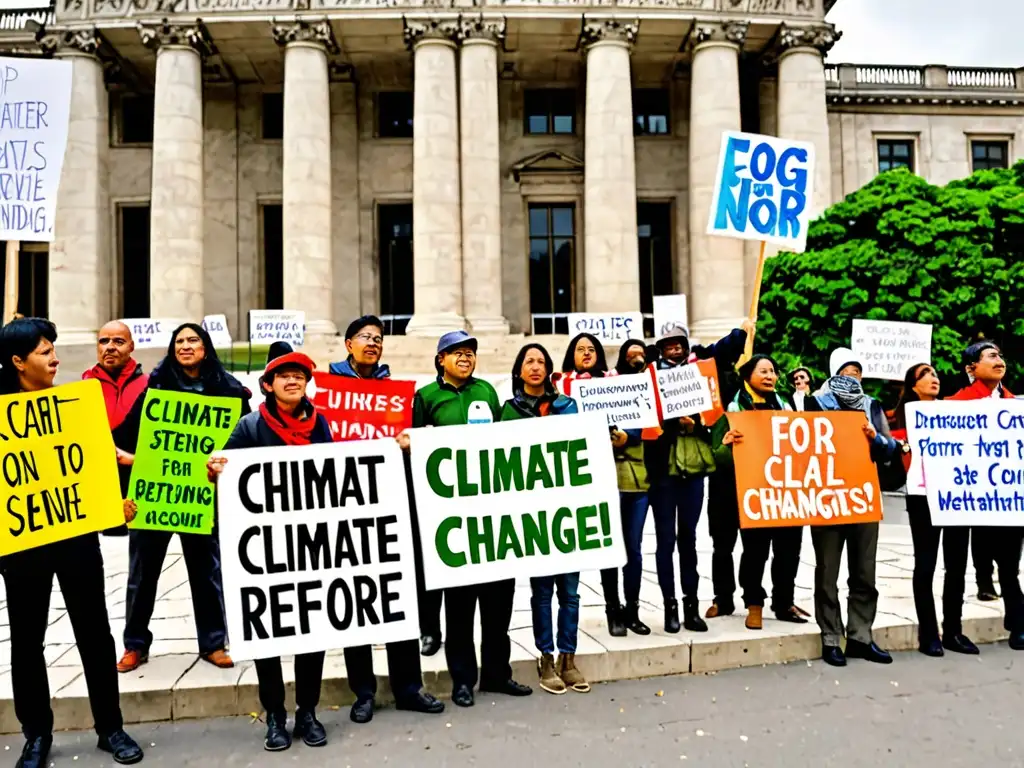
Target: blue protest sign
x=763, y=190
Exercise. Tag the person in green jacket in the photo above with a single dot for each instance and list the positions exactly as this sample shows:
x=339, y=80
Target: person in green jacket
x=760, y=375
x=457, y=397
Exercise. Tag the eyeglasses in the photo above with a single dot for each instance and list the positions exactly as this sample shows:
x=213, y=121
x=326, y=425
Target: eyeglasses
x=370, y=338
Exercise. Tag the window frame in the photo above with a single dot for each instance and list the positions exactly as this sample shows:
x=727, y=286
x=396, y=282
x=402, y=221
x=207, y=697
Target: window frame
x=117, y=205
x=911, y=143
x=394, y=324
x=989, y=141
x=377, y=122
x=645, y=132
x=575, y=271
x=550, y=113
x=117, y=121
x=263, y=117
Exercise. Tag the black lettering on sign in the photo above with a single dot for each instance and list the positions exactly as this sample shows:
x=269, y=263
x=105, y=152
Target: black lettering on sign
x=294, y=486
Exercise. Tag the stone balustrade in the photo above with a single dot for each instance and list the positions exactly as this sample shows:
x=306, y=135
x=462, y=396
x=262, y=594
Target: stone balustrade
x=932, y=77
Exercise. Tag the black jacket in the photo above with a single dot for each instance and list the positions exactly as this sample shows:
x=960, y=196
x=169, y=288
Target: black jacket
x=252, y=431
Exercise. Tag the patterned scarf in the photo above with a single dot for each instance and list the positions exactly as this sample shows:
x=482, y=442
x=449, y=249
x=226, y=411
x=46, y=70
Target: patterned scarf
x=848, y=392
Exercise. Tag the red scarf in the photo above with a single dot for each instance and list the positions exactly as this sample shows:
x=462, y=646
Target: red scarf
x=291, y=430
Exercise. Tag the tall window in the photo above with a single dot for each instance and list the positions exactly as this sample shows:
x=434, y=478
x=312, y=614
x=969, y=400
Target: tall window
x=394, y=114
x=272, y=116
x=394, y=243
x=273, y=256
x=33, y=279
x=895, y=153
x=986, y=155
x=135, y=118
x=552, y=267
x=133, y=238
x=651, y=111
x=549, y=110
x=654, y=240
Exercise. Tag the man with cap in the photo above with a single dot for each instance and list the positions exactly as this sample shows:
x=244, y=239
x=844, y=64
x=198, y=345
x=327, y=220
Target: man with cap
x=364, y=340
x=457, y=397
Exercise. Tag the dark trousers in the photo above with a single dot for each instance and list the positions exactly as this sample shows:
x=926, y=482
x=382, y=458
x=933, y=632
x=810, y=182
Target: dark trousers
x=676, y=502
x=785, y=545
x=861, y=542
x=1005, y=546
x=724, y=527
x=495, y=601
x=309, y=673
x=146, y=550
x=926, y=554
x=28, y=576
x=633, y=508
x=983, y=557
x=430, y=611
x=403, y=670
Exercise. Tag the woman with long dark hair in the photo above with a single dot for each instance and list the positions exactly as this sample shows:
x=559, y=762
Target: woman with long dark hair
x=191, y=365
x=584, y=359
x=922, y=384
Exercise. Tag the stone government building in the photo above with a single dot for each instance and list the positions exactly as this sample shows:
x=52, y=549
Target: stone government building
x=544, y=156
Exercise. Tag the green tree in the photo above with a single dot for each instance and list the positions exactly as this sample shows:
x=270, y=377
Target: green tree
x=900, y=248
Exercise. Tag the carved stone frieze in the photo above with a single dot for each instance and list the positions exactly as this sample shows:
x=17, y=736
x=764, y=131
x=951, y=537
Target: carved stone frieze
x=602, y=30
x=418, y=30
x=481, y=28
x=734, y=32
x=318, y=32
x=818, y=36
x=192, y=35
x=86, y=41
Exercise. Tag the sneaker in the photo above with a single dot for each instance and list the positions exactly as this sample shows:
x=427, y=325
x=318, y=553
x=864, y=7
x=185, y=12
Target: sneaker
x=571, y=676
x=550, y=680
x=220, y=659
x=132, y=660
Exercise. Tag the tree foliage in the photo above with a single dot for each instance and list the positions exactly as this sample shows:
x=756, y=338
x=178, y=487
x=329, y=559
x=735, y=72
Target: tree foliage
x=900, y=248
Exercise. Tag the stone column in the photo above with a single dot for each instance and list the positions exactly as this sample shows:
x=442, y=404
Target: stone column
x=481, y=174
x=306, y=173
x=717, y=298
x=79, y=260
x=611, y=262
x=436, y=208
x=176, y=202
x=803, y=112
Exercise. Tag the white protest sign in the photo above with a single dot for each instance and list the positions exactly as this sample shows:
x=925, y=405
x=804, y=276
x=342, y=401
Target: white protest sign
x=269, y=325
x=217, y=327
x=670, y=311
x=316, y=548
x=626, y=401
x=888, y=348
x=151, y=333
x=35, y=103
x=533, y=497
x=683, y=391
x=971, y=457
x=608, y=326
x=763, y=190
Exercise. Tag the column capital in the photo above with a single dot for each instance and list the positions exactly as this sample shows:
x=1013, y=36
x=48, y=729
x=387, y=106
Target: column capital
x=187, y=35
x=609, y=30
x=312, y=33
x=82, y=42
x=416, y=31
x=821, y=37
x=731, y=32
x=491, y=30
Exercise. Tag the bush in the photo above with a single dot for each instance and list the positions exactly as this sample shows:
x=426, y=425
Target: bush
x=900, y=248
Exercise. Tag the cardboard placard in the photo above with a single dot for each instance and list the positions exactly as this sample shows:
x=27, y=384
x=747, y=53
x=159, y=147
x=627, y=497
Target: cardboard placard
x=363, y=409
x=670, y=311
x=269, y=325
x=682, y=391
x=888, y=348
x=627, y=402
x=608, y=327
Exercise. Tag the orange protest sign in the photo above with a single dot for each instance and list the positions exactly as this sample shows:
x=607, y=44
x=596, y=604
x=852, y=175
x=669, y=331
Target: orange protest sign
x=804, y=469
x=709, y=369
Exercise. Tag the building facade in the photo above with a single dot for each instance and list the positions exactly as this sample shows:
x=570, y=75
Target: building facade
x=444, y=163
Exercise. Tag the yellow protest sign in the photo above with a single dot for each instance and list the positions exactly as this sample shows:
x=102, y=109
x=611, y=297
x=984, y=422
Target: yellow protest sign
x=58, y=473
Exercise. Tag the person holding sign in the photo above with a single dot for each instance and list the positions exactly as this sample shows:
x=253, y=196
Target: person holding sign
x=760, y=375
x=286, y=418
x=191, y=365
x=584, y=359
x=28, y=363
x=534, y=395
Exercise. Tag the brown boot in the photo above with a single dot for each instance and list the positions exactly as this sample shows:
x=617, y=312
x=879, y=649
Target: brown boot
x=549, y=678
x=571, y=676
x=718, y=609
x=754, y=620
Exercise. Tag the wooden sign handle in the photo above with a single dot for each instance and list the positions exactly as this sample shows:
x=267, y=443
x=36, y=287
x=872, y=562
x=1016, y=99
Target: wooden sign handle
x=11, y=280
x=755, y=299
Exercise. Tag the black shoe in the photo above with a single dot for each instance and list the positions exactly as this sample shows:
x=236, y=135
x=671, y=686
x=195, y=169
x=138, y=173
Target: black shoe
x=421, y=701
x=429, y=645
x=121, y=530
x=987, y=593
x=960, y=644
x=309, y=729
x=509, y=687
x=867, y=651
x=278, y=739
x=691, y=616
x=633, y=623
x=833, y=655
x=931, y=648
x=1016, y=641
x=121, y=746
x=362, y=711
x=35, y=752
x=616, y=623
x=672, y=625
x=463, y=696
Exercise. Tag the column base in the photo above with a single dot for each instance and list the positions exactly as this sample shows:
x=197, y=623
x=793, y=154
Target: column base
x=488, y=325
x=318, y=329
x=711, y=330
x=434, y=325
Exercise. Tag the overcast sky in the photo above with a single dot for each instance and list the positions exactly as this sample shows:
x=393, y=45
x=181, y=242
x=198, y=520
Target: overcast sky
x=980, y=33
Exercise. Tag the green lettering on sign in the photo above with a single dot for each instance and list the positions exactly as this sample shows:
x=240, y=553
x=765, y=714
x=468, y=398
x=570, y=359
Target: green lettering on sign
x=535, y=533
x=434, y=477
x=478, y=539
x=508, y=469
x=564, y=535
x=587, y=533
x=508, y=539
x=444, y=551
x=578, y=463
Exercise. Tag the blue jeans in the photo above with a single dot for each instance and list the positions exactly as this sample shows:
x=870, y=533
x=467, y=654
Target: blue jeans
x=633, y=507
x=568, y=585
x=677, y=502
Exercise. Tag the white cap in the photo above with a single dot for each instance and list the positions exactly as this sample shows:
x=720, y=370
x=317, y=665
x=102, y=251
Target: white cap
x=841, y=358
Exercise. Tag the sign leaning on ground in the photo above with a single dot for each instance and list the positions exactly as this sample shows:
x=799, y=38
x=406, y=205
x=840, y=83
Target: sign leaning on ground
x=269, y=325
x=58, y=466
x=35, y=103
x=683, y=391
x=316, y=548
x=608, y=326
x=534, y=497
x=763, y=190
x=627, y=402
x=888, y=348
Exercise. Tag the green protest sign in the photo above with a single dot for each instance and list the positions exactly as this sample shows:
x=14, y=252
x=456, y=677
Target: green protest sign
x=177, y=434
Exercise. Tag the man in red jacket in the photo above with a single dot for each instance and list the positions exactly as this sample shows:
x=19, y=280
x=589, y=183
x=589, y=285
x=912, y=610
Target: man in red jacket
x=121, y=378
x=983, y=362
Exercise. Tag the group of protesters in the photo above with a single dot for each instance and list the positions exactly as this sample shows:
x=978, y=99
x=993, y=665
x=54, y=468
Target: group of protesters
x=667, y=471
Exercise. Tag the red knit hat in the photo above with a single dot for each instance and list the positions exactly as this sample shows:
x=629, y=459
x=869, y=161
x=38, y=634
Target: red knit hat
x=293, y=359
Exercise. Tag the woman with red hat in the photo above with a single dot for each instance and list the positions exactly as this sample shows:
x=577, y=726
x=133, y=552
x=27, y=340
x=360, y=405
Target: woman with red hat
x=287, y=417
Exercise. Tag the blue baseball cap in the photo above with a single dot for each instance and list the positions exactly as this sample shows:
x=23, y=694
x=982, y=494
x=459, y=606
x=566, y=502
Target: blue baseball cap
x=454, y=340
